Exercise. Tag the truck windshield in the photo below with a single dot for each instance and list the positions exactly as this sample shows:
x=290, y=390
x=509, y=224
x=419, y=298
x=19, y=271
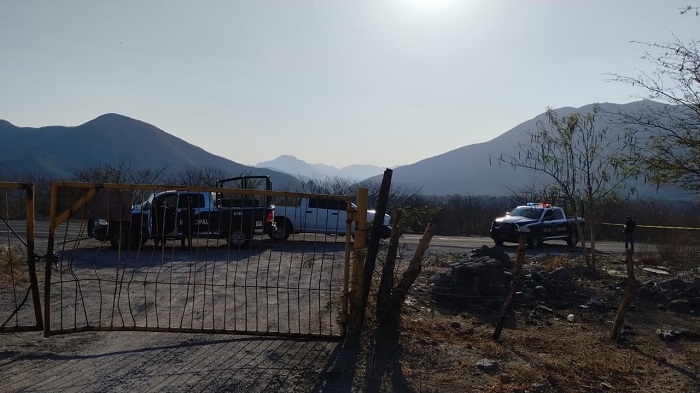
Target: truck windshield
x=147, y=203
x=526, y=211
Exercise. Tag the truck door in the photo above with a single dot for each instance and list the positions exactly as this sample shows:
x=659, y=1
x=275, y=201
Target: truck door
x=312, y=217
x=548, y=225
x=326, y=216
x=164, y=215
x=338, y=216
x=185, y=213
x=559, y=223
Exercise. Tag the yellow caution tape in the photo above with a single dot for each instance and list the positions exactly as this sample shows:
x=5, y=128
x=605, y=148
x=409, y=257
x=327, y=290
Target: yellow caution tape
x=652, y=226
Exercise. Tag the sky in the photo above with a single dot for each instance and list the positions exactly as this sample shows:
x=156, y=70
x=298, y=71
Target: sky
x=380, y=82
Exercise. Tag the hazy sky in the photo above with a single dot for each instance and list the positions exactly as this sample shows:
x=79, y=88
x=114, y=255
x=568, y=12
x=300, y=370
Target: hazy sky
x=382, y=82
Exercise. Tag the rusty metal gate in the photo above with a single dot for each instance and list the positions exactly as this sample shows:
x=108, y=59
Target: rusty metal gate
x=20, y=308
x=186, y=259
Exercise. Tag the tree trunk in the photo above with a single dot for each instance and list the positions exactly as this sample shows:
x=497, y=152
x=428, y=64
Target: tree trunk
x=385, y=358
x=414, y=267
x=594, y=261
x=384, y=302
x=390, y=300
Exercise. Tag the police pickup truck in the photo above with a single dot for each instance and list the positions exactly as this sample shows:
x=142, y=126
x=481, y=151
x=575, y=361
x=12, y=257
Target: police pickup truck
x=537, y=221
x=186, y=215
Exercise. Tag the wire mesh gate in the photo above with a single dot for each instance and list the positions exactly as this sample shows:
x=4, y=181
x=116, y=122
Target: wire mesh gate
x=20, y=308
x=150, y=258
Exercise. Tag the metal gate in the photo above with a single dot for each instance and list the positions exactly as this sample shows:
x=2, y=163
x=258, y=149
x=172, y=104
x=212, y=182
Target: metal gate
x=20, y=308
x=171, y=270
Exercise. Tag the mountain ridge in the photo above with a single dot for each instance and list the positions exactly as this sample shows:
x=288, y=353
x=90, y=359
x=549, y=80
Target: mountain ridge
x=467, y=170
x=58, y=151
x=296, y=167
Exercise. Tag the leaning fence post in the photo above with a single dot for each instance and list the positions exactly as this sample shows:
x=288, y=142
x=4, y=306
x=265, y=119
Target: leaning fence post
x=520, y=260
x=632, y=287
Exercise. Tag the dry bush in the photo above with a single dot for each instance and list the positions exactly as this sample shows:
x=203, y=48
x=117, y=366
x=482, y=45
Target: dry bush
x=673, y=251
x=13, y=265
x=553, y=262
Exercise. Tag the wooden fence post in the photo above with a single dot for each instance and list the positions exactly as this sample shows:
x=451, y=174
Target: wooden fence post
x=358, y=263
x=520, y=260
x=632, y=287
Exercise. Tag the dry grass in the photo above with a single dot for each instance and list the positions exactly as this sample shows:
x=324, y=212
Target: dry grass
x=679, y=251
x=553, y=262
x=441, y=349
x=13, y=266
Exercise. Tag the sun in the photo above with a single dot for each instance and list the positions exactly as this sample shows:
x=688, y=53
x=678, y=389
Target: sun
x=428, y=5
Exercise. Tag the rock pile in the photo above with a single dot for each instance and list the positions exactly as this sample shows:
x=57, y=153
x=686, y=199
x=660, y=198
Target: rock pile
x=477, y=280
x=675, y=294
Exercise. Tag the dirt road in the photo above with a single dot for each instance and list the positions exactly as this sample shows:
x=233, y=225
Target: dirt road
x=178, y=362
x=270, y=289
x=154, y=362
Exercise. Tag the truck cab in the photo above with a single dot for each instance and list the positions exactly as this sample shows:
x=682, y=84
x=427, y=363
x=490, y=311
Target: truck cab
x=185, y=215
x=319, y=215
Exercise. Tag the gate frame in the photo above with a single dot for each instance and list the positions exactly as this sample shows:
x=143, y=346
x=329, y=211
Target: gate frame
x=348, y=296
x=31, y=256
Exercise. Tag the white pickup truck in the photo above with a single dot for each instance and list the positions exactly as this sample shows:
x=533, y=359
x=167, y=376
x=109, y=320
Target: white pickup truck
x=318, y=215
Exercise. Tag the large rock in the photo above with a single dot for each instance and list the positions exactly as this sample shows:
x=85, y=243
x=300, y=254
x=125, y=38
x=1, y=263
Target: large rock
x=679, y=305
x=476, y=280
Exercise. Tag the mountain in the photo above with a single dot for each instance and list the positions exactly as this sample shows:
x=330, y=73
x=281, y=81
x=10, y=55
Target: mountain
x=468, y=170
x=472, y=169
x=296, y=167
x=57, y=151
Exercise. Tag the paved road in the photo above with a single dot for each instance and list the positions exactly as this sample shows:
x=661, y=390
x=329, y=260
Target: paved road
x=456, y=242
x=471, y=242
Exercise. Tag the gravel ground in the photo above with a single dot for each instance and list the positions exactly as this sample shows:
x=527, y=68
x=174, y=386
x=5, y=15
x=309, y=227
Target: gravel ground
x=138, y=361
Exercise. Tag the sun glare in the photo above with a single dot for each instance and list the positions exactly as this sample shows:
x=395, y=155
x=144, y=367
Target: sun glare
x=428, y=5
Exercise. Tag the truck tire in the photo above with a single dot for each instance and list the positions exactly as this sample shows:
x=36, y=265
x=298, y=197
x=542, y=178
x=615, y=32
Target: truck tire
x=572, y=240
x=238, y=237
x=498, y=242
x=283, y=229
x=120, y=237
x=535, y=240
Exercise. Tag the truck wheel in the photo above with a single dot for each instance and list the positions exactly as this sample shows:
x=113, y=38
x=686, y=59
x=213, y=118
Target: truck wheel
x=498, y=242
x=534, y=240
x=136, y=240
x=572, y=240
x=282, y=230
x=238, y=237
x=119, y=238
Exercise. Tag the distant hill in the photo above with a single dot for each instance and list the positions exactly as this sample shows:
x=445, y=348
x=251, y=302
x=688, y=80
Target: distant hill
x=58, y=151
x=296, y=167
x=469, y=170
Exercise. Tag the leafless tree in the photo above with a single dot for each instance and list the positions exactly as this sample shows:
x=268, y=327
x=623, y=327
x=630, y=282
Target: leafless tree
x=122, y=172
x=197, y=176
x=667, y=137
x=576, y=153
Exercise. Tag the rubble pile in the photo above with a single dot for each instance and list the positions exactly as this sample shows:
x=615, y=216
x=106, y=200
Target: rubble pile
x=481, y=279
